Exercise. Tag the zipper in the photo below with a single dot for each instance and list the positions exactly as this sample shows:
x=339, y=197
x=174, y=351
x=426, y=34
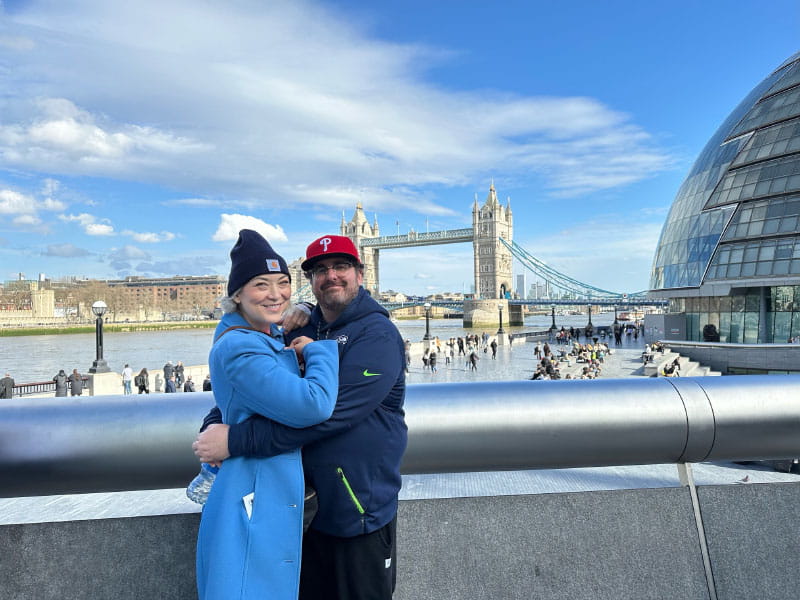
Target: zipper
x=350, y=491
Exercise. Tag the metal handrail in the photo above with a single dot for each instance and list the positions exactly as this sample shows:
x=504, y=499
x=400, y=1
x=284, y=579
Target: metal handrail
x=41, y=387
x=109, y=443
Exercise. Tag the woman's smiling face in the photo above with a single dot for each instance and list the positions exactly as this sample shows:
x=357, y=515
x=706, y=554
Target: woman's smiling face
x=263, y=300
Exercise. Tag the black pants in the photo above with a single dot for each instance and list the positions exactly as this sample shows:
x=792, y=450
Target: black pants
x=357, y=568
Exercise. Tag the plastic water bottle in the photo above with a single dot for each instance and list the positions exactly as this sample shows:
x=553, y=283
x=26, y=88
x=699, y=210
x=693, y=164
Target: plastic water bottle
x=198, y=489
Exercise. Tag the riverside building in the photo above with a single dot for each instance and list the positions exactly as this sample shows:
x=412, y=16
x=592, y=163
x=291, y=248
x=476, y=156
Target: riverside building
x=728, y=258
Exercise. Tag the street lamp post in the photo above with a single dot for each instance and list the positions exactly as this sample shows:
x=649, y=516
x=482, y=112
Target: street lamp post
x=616, y=321
x=590, y=316
x=553, y=314
x=99, y=365
x=500, y=308
x=427, y=322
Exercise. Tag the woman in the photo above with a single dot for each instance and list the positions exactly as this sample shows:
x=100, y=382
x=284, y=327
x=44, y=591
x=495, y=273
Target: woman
x=251, y=529
x=142, y=381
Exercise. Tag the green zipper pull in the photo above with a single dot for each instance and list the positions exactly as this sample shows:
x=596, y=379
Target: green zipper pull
x=350, y=490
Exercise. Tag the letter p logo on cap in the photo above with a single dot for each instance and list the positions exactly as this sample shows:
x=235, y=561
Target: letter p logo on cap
x=329, y=245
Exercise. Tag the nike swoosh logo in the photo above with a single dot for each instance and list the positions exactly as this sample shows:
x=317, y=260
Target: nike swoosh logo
x=368, y=374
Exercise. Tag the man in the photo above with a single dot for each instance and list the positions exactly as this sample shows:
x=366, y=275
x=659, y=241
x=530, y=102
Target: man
x=75, y=383
x=169, y=370
x=179, y=377
x=6, y=387
x=352, y=459
x=127, y=376
x=188, y=386
x=207, y=383
x=169, y=386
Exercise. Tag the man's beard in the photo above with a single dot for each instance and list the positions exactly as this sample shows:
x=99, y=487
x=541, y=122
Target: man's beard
x=337, y=301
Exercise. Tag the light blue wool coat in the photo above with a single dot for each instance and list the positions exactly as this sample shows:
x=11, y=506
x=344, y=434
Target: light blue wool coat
x=259, y=556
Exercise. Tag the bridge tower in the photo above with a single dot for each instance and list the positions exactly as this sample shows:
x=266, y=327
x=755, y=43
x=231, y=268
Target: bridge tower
x=493, y=264
x=359, y=229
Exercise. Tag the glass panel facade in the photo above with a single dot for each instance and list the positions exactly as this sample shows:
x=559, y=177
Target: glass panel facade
x=791, y=78
x=737, y=317
x=781, y=106
x=771, y=142
x=776, y=215
x=769, y=178
x=762, y=258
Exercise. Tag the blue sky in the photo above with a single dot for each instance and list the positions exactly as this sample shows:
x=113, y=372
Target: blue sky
x=137, y=138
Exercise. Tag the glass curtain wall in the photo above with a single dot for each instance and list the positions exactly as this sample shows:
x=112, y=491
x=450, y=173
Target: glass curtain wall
x=737, y=318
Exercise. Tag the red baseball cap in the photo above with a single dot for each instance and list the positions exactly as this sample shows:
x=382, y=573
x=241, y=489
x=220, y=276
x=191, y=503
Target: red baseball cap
x=329, y=245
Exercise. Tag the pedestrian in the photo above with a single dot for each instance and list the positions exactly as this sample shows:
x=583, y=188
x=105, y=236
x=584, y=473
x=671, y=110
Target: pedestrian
x=473, y=360
x=425, y=356
x=188, y=385
x=494, y=349
x=142, y=381
x=349, y=551
x=61, y=383
x=6, y=387
x=75, y=383
x=407, y=349
x=207, y=383
x=249, y=541
x=127, y=377
x=432, y=361
x=537, y=351
x=169, y=371
x=169, y=385
x=179, y=374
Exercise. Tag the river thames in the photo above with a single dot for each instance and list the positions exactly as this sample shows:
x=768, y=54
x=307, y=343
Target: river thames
x=38, y=358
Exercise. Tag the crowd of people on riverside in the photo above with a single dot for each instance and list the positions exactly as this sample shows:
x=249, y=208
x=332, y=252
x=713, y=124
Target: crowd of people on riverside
x=617, y=330
x=591, y=354
x=175, y=379
x=469, y=346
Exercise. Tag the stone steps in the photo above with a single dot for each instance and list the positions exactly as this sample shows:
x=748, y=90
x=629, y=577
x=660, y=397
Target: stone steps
x=688, y=367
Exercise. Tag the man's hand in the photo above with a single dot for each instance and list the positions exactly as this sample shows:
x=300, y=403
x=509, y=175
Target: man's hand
x=211, y=446
x=295, y=317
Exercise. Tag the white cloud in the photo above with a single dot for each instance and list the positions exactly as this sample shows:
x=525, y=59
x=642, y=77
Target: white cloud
x=14, y=203
x=90, y=224
x=98, y=229
x=231, y=224
x=150, y=237
x=65, y=251
x=27, y=221
x=305, y=108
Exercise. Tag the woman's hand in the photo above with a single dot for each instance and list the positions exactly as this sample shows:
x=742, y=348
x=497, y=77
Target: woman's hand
x=298, y=343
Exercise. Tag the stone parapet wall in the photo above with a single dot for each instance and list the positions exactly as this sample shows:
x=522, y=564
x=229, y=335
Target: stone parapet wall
x=584, y=546
x=724, y=357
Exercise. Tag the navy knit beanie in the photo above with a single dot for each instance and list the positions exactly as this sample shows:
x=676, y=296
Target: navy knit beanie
x=252, y=255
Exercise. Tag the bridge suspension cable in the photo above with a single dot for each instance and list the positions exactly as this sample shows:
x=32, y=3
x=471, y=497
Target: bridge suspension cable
x=558, y=279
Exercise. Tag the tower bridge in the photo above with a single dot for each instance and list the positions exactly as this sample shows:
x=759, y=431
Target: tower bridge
x=492, y=238
x=492, y=260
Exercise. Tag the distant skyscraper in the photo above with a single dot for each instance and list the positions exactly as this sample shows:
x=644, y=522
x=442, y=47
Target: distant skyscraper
x=521, y=286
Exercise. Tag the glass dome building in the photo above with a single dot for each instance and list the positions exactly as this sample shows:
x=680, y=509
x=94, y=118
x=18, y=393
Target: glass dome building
x=729, y=253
